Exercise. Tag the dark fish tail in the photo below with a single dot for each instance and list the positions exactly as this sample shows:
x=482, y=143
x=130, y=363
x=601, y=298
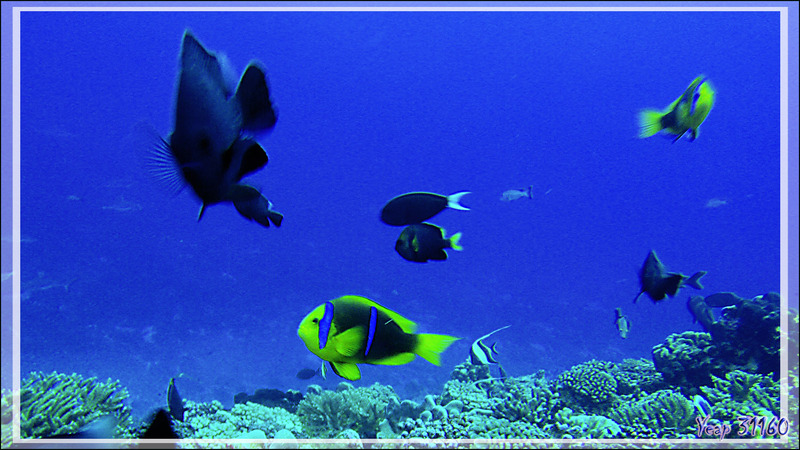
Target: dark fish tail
x=694, y=280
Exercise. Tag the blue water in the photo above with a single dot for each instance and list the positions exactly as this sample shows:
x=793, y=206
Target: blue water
x=120, y=280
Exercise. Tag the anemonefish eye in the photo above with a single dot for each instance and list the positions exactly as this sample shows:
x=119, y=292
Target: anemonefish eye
x=315, y=320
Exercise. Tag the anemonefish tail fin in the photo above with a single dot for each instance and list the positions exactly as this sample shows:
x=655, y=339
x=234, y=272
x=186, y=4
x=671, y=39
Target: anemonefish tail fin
x=430, y=346
x=649, y=122
x=453, y=199
x=454, y=242
x=694, y=281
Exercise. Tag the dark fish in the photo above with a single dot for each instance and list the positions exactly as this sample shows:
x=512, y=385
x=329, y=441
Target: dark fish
x=658, y=283
x=417, y=207
x=423, y=242
x=174, y=401
x=623, y=325
x=723, y=299
x=701, y=312
x=480, y=353
x=160, y=427
x=209, y=148
x=307, y=374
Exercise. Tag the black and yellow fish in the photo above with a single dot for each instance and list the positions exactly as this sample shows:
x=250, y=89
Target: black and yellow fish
x=352, y=330
x=422, y=242
x=657, y=283
x=417, y=207
x=684, y=114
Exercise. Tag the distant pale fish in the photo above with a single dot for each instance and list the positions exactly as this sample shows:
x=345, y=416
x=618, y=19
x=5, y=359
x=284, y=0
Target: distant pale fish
x=623, y=325
x=516, y=194
x=716, y=203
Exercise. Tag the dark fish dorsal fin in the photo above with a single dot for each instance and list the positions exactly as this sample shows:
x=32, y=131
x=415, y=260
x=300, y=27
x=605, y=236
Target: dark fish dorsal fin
x=195, y=57
x=254, y=102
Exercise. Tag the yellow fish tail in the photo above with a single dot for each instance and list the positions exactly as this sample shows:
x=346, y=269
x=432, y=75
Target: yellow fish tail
x=430, y=346
x=454, y=242
x=649, y=122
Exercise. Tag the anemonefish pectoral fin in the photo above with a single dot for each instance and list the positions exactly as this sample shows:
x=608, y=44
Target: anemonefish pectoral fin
x=430, y=346
x=395, y=360
x=350, y=341
x=347, y=371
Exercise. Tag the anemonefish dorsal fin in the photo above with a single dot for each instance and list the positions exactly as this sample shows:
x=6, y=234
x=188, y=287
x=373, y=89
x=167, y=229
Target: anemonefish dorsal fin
x=347, y=371
x=395, y=360
x=406, y=325
x=349, y=341
x=430, y=346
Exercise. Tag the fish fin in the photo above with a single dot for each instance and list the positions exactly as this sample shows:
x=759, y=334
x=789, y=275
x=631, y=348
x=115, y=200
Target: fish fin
x=441, y=255
x=637, y=296
x=201, y=212
x=649, y=122
x=694, y=281
x=348, y=371
x=430, y=346
x=156, y=156
x=254, y=157
x=350, y=341
x=252, y=94
x=406, y=325
x=252, y=205
x=453, y=199
x=678, y=137
x=530, y=192
x=693, y=133
x=454, y=242
x=194, y=54
x=395, y=360
x=672, y=283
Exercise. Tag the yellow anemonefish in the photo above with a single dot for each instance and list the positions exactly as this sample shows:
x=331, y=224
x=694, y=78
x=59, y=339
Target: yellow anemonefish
x=353, y=330
x=684, y=114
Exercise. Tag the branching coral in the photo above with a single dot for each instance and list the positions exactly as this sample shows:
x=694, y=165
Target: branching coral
x=57, y=403
x=360, y=409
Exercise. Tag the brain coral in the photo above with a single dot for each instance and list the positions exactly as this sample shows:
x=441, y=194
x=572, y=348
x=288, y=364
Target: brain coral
x=590, y=383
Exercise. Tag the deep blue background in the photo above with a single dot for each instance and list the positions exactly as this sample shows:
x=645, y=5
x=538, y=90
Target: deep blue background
x=372, y=105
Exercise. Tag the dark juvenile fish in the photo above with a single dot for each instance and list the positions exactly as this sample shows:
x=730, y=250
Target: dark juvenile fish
x=174, y=401
x=422, y=242
x=417, y=207
x=657, y=283
x=701, y=312
x=209, y=147
x=723, y=299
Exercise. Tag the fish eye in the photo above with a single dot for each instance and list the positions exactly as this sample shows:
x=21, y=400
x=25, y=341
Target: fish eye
x=315, y=320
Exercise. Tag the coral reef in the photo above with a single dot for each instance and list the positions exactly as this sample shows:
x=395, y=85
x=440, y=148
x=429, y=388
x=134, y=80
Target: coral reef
x=360, y=409
x=212, y=421
x=687, y=360
x=588, y=386
x=666, y=413
x=747, y=335
x=57, y=403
